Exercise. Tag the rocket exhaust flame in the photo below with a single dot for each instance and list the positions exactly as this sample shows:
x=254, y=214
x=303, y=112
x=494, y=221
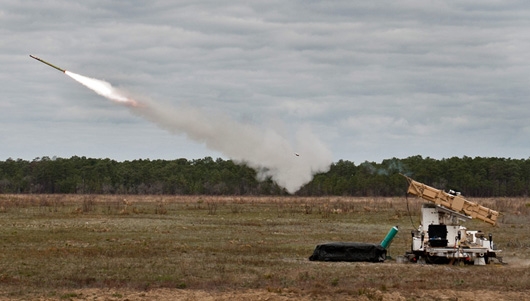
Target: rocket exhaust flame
x=268, y=152
x=102, y=88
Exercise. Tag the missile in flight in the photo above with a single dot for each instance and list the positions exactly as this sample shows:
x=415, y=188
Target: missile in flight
x=51, y=65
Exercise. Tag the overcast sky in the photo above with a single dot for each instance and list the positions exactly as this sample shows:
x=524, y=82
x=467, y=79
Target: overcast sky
x=371, y=80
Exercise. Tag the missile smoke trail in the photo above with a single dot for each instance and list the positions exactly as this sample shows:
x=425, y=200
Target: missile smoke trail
x=269, y=153
x=102, y=88
x=262, y=149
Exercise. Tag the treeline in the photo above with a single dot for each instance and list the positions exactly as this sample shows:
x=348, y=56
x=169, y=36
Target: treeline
x=474, y=177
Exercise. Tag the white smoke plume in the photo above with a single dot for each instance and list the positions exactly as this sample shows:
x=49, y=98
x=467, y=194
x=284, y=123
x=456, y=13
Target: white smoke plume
x=102, y=88
x=290, y=166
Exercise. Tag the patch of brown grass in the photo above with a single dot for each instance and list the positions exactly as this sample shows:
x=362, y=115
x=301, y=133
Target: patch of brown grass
x=53, y=243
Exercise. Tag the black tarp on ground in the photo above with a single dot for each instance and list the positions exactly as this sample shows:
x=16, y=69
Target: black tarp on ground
x=349, y=251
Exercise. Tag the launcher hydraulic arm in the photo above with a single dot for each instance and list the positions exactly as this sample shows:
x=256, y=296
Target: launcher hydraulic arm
x=453, y=202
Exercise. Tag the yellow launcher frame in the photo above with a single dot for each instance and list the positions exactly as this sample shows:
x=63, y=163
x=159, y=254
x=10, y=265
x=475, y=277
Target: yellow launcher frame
x=453, y=202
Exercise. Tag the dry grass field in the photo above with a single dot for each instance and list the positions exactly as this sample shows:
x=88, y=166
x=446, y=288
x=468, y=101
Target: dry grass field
x=66, y=247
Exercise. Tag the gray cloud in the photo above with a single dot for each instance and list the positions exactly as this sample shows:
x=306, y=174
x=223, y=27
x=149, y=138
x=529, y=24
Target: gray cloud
x=372, y=80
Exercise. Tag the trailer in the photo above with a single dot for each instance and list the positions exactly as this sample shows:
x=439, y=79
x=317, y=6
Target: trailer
x=440, y=238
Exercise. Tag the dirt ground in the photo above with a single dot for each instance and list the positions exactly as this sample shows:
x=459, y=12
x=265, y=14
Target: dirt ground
x=178, y=294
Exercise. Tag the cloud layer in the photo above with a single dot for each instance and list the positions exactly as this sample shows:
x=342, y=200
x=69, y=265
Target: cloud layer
x=370, y=80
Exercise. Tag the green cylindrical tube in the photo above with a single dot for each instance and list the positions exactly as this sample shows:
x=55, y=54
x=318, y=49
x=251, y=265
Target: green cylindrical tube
x=388, y=239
